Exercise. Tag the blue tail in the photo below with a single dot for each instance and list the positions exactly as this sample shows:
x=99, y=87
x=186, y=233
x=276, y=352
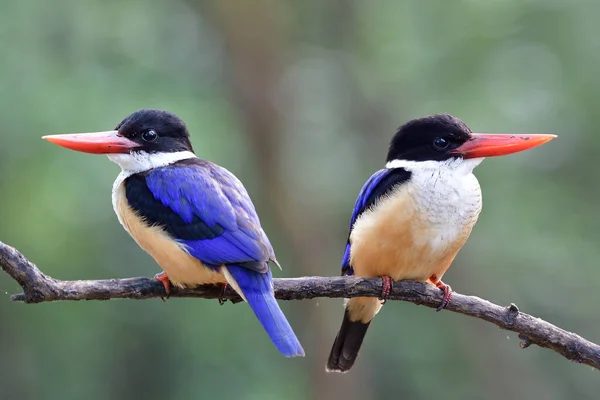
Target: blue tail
x=258, y=290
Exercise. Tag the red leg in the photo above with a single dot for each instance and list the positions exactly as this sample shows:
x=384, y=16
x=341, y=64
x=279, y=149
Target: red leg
x=164, y=279
x=447, y=292
x=386, y=287
x=222, y=298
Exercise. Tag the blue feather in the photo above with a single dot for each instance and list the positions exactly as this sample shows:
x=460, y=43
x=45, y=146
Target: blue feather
x=258, y=290
x=218, y=199
x=207, y=209
x=359, y=206
x=188, y=192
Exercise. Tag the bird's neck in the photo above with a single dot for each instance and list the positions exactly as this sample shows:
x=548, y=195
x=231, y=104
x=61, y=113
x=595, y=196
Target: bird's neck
x=452, y=166
x=136, y=162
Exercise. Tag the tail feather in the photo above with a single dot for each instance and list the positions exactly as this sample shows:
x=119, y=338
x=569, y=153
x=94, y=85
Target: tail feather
x=257, y=290
x=346, y=345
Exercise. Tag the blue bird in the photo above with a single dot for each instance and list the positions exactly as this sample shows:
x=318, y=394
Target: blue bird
x=413, y=216
x=192, y=216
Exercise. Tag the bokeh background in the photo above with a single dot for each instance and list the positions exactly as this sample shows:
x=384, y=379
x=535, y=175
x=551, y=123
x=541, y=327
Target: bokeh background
x=299, y=99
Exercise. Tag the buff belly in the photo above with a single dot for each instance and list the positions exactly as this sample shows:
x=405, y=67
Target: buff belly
x=398, y=241
x=410, y=236
x=182, y=268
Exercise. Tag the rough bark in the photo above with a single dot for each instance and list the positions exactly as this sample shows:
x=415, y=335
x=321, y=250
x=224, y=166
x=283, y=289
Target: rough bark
x=38, y=287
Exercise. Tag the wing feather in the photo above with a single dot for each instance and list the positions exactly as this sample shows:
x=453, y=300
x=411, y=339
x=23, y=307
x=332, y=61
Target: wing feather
x=206, y=208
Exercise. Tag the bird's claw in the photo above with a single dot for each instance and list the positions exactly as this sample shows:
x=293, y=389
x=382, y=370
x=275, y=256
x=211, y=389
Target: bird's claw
x=386, y=287
x=221, y=298
x=164, y=279
x=447, y=295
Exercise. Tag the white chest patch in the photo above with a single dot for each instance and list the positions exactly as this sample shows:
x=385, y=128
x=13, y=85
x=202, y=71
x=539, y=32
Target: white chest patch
x=417, y=230
x=447, y=197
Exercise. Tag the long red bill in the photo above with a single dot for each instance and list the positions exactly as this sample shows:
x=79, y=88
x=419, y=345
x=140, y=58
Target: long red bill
x=492, y=145
x=96, y=143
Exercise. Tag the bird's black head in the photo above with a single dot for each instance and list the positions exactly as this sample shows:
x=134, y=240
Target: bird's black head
x=148, y=132
x=431, y=138
x=155, y=131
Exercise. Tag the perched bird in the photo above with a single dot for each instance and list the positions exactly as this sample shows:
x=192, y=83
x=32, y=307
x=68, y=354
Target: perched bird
x=413, y=216
x=193, y=217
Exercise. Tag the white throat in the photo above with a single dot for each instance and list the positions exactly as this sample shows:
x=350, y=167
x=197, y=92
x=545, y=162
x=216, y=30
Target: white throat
x=446, y=192
x=458, y=166
x=133, y=163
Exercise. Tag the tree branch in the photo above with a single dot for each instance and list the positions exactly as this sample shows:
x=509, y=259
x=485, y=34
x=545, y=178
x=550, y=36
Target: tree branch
x=38, y=287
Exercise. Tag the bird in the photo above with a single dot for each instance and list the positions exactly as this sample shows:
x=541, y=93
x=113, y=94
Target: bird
x=194, y=217
x=413, y=216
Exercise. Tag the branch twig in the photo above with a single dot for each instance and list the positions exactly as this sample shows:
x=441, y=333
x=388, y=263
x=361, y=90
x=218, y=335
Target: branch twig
x=38, y=287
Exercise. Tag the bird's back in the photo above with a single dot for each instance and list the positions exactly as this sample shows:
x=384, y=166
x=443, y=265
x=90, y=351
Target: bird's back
x=182, y=268
x=192, y=216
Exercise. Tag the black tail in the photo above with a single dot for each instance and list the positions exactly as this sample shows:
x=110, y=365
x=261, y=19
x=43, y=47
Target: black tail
x=346, y=345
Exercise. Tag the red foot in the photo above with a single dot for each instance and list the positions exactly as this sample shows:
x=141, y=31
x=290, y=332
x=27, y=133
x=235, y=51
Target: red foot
x=386, y=287
x=447, y=294
x=222, y=298
x=164, y=279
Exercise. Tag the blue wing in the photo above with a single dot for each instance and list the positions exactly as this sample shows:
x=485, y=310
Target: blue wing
x=379, y=184
x=206, y=208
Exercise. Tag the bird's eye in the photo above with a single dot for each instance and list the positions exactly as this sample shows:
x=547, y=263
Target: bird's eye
x=441, y=143
x=149, y=136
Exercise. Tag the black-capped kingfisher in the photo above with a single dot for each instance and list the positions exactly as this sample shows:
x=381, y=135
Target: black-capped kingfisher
x=192, y=216
x=413, y=216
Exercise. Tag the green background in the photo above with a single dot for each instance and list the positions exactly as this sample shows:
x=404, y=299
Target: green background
x=299, y=99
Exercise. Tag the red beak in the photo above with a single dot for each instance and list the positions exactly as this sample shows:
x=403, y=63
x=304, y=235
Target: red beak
x=491, y=145
x=96, y=143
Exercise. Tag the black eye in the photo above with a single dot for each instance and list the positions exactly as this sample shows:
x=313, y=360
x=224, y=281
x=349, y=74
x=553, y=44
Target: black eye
x=149, y=136
x=441, y=143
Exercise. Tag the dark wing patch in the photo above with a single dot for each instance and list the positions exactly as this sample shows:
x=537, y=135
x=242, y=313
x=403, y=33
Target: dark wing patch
x=141, y=200
x=204, y=207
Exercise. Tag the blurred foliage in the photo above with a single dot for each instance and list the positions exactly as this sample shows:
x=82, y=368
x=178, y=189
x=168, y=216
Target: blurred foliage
x=299, y=100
